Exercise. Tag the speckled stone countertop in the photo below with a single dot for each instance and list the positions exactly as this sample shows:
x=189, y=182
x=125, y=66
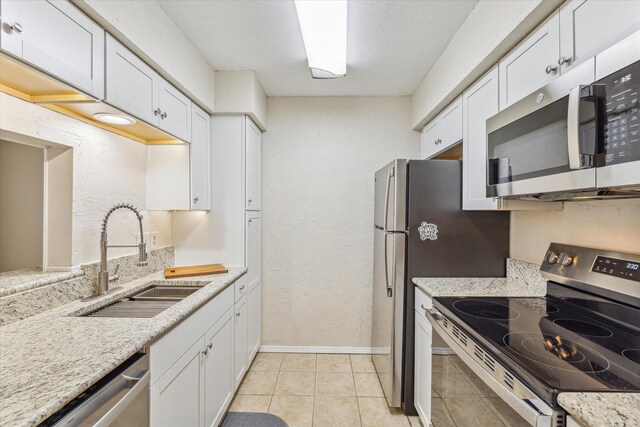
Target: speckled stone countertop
x=523, y=279
x=12, y=282
x=48, y=359
x=603, y=409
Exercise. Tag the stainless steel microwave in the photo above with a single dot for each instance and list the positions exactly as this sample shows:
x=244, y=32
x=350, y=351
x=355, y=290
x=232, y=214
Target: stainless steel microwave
x=574, y=138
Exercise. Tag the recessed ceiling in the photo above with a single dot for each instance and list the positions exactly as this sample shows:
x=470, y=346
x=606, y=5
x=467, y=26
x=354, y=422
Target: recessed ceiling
x=391, y=44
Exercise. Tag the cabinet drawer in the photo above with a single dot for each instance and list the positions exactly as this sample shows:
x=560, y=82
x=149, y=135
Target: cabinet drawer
x=241, y=287
x=422, y=302
x=169, y=348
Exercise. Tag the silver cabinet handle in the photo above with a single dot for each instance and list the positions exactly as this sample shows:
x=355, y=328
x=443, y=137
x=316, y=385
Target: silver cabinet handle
x=157, y=111
x=16, y=27
x=163, y=115
x=210, y=345
x=434, y=313
x=195, y=199
x=550, y=69
x=206, y=350
x=242, y=288
x=564, y=60
x=238, y=314
x=423, y=307
x=250, y=201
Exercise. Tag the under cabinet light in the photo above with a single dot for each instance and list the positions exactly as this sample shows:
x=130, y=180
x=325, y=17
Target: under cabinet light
x=114, y=119
x=324, y=32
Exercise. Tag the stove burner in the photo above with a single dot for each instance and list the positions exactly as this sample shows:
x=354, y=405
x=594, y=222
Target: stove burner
x=583, y=328
x=556, y=352
x=632, y=354
x=486, y=309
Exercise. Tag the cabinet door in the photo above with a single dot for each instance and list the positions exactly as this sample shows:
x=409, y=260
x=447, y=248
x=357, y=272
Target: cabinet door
x=240, y=340
x=479, y=102
x=219, y=381
x=252, y=165
x=199, y=152
x=532, y=64
x=450, y=126
x=177, y=397
x=422, y=385
x=252, y=248
x=132, y=85
x=175, y=111
x=254, y=321
x=429, y=140
x=589, y=26
x=57, y=38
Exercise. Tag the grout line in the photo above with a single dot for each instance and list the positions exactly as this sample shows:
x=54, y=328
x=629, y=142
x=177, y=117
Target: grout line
x=353, y=375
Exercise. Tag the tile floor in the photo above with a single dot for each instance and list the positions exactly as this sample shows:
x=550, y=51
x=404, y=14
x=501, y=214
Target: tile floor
x=343, y=390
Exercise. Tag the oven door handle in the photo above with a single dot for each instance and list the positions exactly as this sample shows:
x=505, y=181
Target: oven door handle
x=573, y=129
x=140, y=386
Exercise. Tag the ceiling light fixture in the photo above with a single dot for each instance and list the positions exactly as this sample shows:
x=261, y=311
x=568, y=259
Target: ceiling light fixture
x=114, y=119
x=324, y=32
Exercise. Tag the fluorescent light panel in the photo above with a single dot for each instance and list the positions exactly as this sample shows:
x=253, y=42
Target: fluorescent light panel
x=324, y=31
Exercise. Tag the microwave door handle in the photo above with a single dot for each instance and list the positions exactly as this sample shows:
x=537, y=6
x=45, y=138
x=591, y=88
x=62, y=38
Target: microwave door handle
x=573, y=128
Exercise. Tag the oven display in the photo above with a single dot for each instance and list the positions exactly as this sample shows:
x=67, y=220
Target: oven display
x=622, y=130
x=617, y=267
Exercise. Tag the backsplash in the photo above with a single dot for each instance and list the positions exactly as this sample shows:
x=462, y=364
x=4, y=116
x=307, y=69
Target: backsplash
x=20, y=305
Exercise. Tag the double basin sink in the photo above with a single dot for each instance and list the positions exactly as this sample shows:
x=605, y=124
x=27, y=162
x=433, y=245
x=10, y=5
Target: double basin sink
x=146, y=303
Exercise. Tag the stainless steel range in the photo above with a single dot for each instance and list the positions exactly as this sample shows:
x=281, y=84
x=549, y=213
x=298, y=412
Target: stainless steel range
x=584, y=335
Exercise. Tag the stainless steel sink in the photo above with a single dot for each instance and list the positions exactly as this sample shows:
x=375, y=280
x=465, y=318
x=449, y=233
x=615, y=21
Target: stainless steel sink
x=146, y=303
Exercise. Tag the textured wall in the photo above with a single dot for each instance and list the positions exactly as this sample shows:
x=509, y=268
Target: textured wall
x=107, y=169
x=319, y=156
x=611, y=224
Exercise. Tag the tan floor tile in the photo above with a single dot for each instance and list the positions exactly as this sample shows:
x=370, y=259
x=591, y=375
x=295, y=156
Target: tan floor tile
x=362, y=363
x=267, y=362
x=415, y=422
x=481, y=387
x=297, y=411
x=295, y=384
x=459, y=364
x=506, y=414
x=298, y=363
x=367, y=385
x=250, y=403
x=336, y=412
x=440, y=416
x=452, y=385
x=442, y=364
x=374, y=412
x=335, y=384
x=471, y=413
x=333, y=363
x=258, y=383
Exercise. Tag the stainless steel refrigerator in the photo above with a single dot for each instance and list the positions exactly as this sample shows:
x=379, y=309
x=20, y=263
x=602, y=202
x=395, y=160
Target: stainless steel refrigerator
x=420, y=230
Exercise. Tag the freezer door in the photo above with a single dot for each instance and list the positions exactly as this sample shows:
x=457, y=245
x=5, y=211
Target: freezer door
x=387, y=314
x=390, y=196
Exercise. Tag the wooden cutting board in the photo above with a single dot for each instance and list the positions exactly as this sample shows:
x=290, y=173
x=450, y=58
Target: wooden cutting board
x=194, y=270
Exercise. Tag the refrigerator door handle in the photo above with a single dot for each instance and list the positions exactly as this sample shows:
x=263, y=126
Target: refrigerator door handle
x=386, y=266
x=386, y=198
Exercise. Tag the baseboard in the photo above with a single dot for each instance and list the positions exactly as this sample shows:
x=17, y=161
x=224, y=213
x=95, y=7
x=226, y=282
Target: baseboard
x=313, y=349
x=442, y=351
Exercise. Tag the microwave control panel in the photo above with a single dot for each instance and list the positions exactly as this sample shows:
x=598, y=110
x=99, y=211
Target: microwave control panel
x=622, y=130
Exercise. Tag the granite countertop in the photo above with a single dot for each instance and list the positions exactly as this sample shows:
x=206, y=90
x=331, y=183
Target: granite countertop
x=12, y=282
x=48, y=359
x=603, y=409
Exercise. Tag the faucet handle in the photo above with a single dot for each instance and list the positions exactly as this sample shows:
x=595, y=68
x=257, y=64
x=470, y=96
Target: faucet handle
x=115, y=276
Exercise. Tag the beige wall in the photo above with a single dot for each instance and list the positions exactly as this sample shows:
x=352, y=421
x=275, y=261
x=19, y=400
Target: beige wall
x=21, y=206
x=107, y=169
x=601, y=224
x=319, y=157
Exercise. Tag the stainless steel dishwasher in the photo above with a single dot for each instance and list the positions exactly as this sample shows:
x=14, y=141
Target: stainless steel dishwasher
x=119, y=399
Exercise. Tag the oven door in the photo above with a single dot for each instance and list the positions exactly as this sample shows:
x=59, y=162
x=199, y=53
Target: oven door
x=549, y=141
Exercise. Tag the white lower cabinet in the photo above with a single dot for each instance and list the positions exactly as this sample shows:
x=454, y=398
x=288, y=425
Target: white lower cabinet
x=177, y=398
x=254, y=312
x=240, y=333
x=423, y=350
x=219, y=381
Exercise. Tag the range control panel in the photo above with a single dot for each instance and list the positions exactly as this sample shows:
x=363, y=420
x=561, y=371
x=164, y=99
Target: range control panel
x=617, y=267
x=622, y=130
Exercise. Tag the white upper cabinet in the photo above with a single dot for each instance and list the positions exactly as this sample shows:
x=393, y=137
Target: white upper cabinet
x=479, y=102
x=252, y=165
x=175, y=111
x=132, y=85
x=168, y=177
x=443, y=131
x=590, y=26
x=200, y=152
x=57, y=38
x=532, y=64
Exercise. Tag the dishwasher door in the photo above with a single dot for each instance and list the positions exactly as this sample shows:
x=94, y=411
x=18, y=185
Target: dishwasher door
x=119, y=399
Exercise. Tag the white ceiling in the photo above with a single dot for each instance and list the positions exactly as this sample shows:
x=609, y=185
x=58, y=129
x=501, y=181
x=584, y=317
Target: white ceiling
x=391, y=44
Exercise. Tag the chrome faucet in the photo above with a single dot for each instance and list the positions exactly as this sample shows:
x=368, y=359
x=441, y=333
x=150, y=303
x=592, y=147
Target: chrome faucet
x=104, y=277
